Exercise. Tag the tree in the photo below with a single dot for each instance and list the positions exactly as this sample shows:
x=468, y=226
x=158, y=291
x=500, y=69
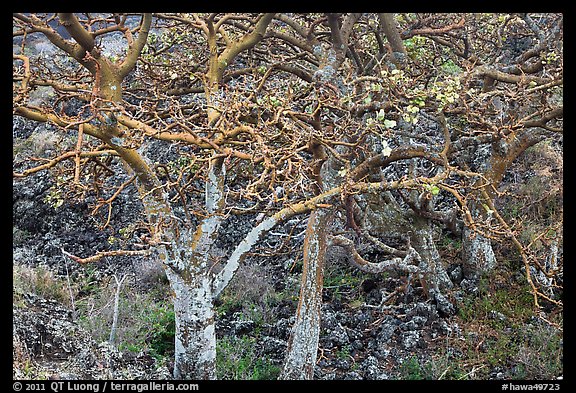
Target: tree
x=383, y=128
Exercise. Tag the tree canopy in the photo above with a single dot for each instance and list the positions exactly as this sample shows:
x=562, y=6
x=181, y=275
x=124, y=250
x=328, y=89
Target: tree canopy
x=383, y=127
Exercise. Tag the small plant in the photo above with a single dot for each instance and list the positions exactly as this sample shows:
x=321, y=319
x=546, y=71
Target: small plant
x=450, y=67
x=41, y=282
x=343, y=282
x=343, y=353
x=237, y=359
x=511, y=337
x=162, y=330
x=500, y=349
x=411, y=369
x=445, y=366
x=251, y=293
x=145, y=321
x=540, y=352
x=54, y=197
x=22, y=365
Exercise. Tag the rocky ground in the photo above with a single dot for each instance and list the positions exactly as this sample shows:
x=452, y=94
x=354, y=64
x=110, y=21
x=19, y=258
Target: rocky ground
x=373, y=326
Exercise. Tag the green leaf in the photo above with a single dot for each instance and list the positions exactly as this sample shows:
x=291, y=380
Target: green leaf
x=488, y=210
x=412, y=109
x=377, y=87
x=386, y=150
x=389, y=123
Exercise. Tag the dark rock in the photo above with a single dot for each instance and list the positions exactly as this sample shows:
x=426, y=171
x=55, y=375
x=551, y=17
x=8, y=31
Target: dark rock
x=354, y=334
x=455, y=273
x=242, y=327
x=368, y=285
x=371, y=368
x=337, y=336
x=273, y=347
x=279, y=329
x=342, y=364
x=352, y=375
x=357, y=345
x=416, y=322
x=469, y=285
x=330, y=376
x=445, y=307
x=411, y=340
x=46, y=328
x=361, y=319
x=425, y=310
x=45, y=333
x=387, y=329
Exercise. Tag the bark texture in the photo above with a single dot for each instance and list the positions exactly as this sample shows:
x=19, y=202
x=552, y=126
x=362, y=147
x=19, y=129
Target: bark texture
x=385, y=216
x=477, y=254
x=195, y=340
x=303, y=342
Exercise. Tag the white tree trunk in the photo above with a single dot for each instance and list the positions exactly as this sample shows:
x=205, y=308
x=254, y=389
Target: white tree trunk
x=434, y=277
x=477, y=254
x=116, y=308
x=422, y=240
x=303, y=343
x=195, y=341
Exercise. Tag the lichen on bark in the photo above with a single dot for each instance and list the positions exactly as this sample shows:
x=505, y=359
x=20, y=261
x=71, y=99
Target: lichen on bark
x=303, y=342
x=195, y=339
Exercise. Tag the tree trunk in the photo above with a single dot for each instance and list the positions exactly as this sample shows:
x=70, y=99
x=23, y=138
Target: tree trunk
x=384, y=215
x=423, y=242
x=477, y=254
x=195, y=341
x=435, y=279
x=303, y=342
x=390, y=29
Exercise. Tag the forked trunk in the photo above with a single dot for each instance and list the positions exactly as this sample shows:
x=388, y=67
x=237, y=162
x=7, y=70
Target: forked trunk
x=195, y=340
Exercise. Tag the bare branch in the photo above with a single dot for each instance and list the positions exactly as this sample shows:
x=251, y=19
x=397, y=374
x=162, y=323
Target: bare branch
x=378, y=267
x=77, y=31
x=136, y=47
x=101, y=254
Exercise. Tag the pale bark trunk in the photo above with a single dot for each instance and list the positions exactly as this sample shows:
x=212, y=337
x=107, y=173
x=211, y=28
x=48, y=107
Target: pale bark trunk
x=195, y=340
x=303, y=343
x=434, y=278
x=423, y=242
x=477, y=254
x=116, y=308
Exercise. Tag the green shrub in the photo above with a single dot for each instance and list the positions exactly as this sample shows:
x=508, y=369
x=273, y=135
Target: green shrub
x=411, y=369
x=145, y=320
x=162, y=330
x=237, y=359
